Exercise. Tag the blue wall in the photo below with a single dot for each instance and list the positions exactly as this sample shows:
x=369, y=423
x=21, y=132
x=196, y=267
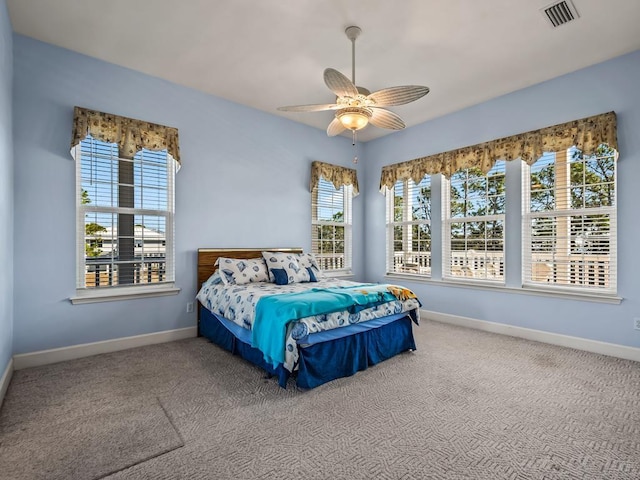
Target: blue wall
x=6, y=189
x=244, y=183
x=612, y=85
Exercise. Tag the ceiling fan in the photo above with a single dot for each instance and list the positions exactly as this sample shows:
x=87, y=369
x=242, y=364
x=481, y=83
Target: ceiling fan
x=355, y=106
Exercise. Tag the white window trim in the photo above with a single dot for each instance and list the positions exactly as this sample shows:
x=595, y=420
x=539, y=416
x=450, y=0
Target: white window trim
x=524, y=290
x=123, y=293
x=347, y=200
x=390, y=227
x=609, y=295
x=447, y=220
x=116, y=293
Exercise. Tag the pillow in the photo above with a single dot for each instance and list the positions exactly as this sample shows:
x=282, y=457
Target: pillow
x=288, y=262
x=309, y=261
x=214, y=279
x=312, y=275
x=234, y=271
x=280, y=276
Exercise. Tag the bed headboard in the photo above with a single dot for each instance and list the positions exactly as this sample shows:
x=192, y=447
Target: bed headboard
x=207, y=257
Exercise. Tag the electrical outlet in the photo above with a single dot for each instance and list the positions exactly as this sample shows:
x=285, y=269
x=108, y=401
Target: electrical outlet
x=636, y=323
x=190, y=308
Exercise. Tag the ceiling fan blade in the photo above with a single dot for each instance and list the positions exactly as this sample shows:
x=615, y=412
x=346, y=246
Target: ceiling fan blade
x=309, y=108
x=339, y=84
x=386, y=119
x=388, y=97
x=335, y=128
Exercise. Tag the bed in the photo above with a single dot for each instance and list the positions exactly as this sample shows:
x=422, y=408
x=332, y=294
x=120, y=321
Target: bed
x=314, y=349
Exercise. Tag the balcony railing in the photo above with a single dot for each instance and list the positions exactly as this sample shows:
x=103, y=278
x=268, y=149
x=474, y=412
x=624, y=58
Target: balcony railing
x=580, y=270
x=330, y=261
x=412, y=262
x=102, y=274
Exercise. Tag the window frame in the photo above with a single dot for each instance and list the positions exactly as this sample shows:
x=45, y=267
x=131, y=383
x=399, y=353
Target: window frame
x=414, y=269
x=347, y=223
x=86, y=294
x=447, y=220
x=527, y=261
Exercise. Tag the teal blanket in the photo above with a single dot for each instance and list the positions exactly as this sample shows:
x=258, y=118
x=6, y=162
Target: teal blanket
x=275, y=312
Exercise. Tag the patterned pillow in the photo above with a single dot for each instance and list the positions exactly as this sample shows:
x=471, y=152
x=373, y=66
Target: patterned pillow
x=309, y=261
x=293, y=272
x=214, y=279
x=234, y=271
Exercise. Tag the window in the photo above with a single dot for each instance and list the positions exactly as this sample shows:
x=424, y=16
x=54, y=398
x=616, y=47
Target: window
x=409, y=227
x=569, y=221
x=331, y=225
x=125, y=211
x=568, y=205
x=474, y=216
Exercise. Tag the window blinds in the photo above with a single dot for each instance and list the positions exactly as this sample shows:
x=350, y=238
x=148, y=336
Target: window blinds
x=570, y=222
x=474, y=212
x=331, y=236
x=409, y=227
x=125, y=216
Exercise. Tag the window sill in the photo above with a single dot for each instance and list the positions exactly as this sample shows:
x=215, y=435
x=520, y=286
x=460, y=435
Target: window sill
x=337, y=273
x=122, y=293
x=524, y=290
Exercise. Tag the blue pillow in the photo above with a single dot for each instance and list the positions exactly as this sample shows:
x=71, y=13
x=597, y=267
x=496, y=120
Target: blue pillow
x=312, y=275
x=280, y=276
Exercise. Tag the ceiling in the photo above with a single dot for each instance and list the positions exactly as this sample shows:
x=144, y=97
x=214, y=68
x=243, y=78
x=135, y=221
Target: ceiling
x=271, y=53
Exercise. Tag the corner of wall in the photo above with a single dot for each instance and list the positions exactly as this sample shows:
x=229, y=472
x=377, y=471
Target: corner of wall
x=5, y=380
x=6, y=197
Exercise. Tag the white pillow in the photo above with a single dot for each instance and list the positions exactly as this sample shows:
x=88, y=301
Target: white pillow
x=308, y=260
x=214, y=279
x=284, y=268
x=239, y=271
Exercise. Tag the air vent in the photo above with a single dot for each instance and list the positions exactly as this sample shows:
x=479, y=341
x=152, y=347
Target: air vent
x=560, y=13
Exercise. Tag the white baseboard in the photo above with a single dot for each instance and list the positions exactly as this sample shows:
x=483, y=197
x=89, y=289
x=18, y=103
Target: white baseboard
x=594, y=346
x=45, y=357
x=6, y=378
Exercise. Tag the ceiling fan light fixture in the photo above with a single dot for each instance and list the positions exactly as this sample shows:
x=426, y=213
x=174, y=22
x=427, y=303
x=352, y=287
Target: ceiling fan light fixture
x=354, y=118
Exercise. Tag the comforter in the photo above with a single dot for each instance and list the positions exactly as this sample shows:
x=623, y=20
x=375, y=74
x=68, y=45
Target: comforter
x=238, y=303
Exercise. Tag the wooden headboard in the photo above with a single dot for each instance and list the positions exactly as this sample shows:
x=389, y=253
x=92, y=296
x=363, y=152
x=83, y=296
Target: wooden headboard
x=207, y=257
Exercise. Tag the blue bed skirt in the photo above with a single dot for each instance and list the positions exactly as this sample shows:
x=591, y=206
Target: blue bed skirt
x=324, y=361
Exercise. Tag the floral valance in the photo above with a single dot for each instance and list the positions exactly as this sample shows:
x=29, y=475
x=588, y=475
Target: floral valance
x=335, y=174
x=586, y=134
x=131, y=135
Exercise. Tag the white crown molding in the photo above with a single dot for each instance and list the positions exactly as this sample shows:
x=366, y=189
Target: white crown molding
x=46, y=357
x=593, y=346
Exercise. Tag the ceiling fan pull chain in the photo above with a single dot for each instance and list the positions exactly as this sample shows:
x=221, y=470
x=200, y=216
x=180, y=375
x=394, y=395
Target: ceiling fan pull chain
x=355, y=149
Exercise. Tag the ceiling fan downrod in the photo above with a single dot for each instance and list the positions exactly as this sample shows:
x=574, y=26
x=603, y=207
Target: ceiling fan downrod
x=352, y=33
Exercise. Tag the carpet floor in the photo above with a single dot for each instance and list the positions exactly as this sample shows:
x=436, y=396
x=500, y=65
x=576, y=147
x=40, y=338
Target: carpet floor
x=465, y=405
